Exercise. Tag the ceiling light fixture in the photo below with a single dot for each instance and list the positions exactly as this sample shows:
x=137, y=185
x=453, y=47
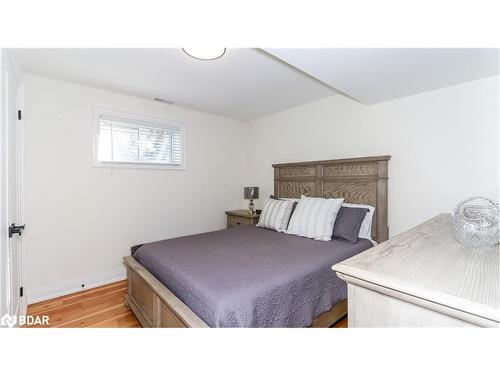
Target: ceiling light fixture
x=205, y=53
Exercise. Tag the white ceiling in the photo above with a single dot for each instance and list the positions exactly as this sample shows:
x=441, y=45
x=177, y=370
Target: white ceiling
x=249, y=83
x=372, y=75
x=244, y=84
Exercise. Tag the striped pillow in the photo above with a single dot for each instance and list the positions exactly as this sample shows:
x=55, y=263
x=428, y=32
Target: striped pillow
x=275, y=215
x=314, y=218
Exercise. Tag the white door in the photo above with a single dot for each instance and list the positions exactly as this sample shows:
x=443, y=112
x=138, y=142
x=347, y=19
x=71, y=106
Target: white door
x=11, y=187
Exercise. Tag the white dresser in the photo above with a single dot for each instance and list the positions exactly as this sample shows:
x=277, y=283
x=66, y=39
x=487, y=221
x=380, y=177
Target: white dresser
x=423, y=278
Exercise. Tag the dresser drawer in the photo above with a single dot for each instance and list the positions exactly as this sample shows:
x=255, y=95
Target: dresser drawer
x=236, y=221
x=241, y=218
x=368, y=308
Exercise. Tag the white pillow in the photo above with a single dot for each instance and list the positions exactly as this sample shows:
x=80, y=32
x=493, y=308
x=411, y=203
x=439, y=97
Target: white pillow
x=275, y=214
x=314, y=218
x=290, y=199
x=366, y=226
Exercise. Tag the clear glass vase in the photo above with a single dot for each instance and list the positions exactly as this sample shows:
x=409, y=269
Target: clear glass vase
x=475, y=222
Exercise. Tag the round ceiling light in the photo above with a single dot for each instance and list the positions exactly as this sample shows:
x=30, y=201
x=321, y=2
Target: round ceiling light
x=205, y=53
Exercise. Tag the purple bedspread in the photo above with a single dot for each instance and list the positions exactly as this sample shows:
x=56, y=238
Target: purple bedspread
x=249, y=276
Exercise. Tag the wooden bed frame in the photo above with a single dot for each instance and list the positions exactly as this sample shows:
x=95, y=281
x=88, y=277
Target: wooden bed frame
x=358, y=180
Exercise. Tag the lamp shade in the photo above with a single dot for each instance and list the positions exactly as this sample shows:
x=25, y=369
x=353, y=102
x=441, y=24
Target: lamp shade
x=251, y=192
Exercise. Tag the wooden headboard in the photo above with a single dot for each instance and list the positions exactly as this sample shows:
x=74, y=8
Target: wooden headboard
x=357, y=180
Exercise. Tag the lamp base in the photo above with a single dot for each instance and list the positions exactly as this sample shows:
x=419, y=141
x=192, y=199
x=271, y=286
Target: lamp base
x=251, y=207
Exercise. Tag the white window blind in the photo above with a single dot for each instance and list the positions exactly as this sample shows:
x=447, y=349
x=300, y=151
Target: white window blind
x=139, y=142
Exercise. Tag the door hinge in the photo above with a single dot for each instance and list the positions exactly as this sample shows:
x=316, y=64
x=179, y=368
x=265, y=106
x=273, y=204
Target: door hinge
x=21, y=291
x=19, y=115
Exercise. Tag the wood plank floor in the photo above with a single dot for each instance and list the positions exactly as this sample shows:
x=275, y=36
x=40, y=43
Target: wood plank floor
x=98, y=307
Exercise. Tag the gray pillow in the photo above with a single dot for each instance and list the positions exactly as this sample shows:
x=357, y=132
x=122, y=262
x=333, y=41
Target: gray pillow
x=348, y=223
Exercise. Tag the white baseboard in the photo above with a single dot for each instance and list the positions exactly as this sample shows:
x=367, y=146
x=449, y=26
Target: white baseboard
x=45, y=292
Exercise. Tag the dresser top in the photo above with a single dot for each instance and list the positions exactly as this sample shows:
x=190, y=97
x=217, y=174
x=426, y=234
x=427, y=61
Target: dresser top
x=243, y=213
x=429, y=263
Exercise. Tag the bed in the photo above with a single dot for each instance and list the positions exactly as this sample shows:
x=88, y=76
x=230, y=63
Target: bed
x=254, y=277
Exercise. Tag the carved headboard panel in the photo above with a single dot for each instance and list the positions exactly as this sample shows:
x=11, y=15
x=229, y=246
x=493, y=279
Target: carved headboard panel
x=358, y=180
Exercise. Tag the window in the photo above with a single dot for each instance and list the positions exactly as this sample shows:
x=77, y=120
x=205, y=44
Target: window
x=133, y=141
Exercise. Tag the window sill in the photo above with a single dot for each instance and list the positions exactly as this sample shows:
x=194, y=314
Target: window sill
x=118, y=165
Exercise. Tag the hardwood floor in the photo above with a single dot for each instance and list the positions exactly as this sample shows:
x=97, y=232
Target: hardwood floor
x=342, y=323
x=98, y=307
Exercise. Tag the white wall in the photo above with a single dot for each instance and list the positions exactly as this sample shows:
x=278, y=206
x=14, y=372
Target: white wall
x=82, y=220
x=444, y=145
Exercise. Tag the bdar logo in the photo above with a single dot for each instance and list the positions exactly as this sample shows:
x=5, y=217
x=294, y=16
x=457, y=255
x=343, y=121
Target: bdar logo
x=8, y=320
x=23, y=320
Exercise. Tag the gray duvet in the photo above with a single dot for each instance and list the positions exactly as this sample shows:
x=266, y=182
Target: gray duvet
x=249, y=276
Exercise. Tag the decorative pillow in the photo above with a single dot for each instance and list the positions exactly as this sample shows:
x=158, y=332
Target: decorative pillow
x=275, y=214
x=348, y=223
x=366, y=226
x=295, y=202
x=284, y=199
x=314, y=218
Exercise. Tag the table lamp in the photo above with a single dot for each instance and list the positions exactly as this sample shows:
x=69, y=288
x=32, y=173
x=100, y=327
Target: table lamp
x=251, y=192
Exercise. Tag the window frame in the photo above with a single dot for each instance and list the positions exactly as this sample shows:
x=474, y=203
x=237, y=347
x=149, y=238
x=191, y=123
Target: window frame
x=160, y=123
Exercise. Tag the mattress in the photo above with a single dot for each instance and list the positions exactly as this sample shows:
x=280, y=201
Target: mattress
x=249, y=276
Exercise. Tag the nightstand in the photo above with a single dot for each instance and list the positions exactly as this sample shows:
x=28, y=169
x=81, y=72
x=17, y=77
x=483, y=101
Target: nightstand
x=239, y=218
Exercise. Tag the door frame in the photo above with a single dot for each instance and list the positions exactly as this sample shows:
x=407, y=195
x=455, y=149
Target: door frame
x=20, y=175
x=4, y=239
